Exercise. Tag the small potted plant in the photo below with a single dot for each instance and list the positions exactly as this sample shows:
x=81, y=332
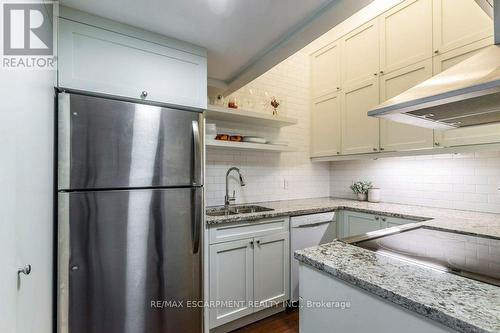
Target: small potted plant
x=361, y=188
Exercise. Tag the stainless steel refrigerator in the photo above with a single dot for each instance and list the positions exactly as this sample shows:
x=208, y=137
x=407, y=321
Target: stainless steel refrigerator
x=130, y=210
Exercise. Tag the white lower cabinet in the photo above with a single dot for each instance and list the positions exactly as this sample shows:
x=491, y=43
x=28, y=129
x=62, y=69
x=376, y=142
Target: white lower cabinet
x=271, y=269
x=231, y=280
x=359, y=223
x=355, y=223
x=249, y=274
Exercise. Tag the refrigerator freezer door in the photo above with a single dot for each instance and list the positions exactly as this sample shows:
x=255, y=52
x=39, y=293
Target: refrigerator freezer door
x=129, y=261
x=105, y=143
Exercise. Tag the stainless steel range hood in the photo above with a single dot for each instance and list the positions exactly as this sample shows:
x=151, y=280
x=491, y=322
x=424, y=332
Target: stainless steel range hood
x=467, y=94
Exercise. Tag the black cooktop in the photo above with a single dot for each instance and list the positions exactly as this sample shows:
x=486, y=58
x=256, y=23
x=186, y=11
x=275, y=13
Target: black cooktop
x=470, y=256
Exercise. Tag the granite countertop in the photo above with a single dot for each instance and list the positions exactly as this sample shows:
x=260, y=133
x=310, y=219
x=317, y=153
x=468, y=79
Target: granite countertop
x=462, y=304
x=320, y=205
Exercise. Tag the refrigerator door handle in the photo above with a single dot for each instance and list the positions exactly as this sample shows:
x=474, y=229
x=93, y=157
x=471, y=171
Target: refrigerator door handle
x=197, y=217
x=197, y=154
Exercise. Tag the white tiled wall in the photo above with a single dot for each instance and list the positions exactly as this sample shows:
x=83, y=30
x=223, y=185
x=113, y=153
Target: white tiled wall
x=468, y=181
x=271, y=176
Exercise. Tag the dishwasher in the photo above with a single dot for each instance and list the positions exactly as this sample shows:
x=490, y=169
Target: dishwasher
x=307, y=231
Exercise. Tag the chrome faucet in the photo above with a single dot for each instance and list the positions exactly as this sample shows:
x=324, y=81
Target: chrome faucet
x=228, y=199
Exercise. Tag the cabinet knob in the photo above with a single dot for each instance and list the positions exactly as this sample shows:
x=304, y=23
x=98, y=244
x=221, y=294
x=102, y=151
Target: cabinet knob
x=26, y=270
x=375, y=149
x=436, y=143
x=382, y=148
x=338, y=88
x=436, y=51
x=251, y=242
x=144, y=94
x=258, y=242
x=381, y=72
x=377, y=218
x=338, y=153
x=384, y=219
x=375, y=74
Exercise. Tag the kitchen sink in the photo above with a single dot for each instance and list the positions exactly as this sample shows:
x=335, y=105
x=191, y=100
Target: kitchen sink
x=234, y=210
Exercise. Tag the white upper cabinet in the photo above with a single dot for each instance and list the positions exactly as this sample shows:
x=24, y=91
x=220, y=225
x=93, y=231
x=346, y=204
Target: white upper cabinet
x=325, y=70
x=443, y=61
x=111, y=62
x=382, y=58
x=406, y=35
x=472, y=135
x=361, y=53
x=458, y=23
x=396, y=136
x=325, y=125
x=360, y=133
x=468, y=135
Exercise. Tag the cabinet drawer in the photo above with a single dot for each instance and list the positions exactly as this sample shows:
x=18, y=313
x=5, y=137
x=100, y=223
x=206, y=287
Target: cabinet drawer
x=230, y=232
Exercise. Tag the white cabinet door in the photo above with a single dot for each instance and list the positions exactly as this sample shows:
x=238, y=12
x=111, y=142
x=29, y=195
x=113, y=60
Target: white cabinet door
x=468, y=135
x=359, y=223
x=360, y=133
x=396, y=136
x=325, y=70
x=325, y=125
x=231, y=279
x=102, y=61
x=443, y=61
x=406, y=34
x=26, y=196
x=388, y=222
x=458, y=23
x=271, y=269
x=361, y=53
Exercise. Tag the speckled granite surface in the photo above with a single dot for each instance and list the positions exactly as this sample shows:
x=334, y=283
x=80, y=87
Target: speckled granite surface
x=319, y=205
x=457, y=302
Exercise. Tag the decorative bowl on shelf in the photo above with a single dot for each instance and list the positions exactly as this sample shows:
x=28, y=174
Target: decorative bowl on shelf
x=278, y=143
x=254, y=139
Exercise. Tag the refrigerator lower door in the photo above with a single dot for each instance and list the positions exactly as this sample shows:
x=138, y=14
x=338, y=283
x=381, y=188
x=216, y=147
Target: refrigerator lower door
x=106, y=144
x=130, y=260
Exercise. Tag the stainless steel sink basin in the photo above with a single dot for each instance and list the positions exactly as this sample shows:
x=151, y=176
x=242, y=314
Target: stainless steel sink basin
x=234, y=210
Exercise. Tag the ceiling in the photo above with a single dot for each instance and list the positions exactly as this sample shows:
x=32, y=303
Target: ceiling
x=236, y=33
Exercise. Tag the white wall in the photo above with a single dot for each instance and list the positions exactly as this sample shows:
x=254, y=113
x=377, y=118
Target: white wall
x=26, y=168
x=467, y=181
x=267, y=173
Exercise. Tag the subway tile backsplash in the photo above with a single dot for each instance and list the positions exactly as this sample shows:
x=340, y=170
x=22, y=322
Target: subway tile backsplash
x=272, y=176
x=467, y=181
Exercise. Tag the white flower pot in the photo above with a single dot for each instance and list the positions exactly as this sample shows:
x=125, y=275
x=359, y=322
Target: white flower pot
x=374, y=195
x=361, y=196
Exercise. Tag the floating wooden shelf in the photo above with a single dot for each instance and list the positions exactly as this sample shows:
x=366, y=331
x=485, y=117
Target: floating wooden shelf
x=247, y=117
x=248, y=146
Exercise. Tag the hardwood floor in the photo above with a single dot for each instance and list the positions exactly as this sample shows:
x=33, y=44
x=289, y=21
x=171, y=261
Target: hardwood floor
x=283, y=322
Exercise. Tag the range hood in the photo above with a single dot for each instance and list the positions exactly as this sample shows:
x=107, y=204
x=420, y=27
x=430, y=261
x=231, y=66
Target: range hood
x=466, y=94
